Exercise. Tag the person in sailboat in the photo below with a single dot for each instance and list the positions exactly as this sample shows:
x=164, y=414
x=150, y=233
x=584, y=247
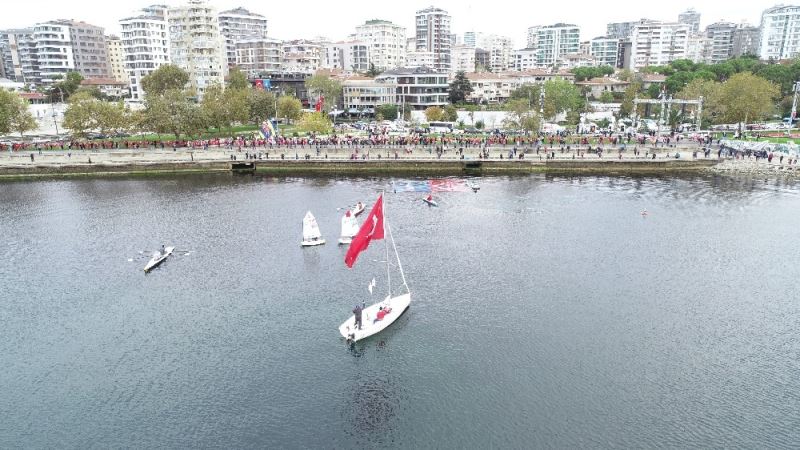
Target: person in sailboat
x=357, y=312
x=430, y=198
x=382, y=312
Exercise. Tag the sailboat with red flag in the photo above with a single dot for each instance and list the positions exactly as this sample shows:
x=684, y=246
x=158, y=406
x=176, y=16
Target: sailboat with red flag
x=367, y=321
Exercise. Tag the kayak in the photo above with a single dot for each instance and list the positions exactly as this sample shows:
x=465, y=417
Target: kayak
x=158, y=258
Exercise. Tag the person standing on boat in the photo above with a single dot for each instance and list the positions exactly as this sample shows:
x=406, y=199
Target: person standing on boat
x=357, y=312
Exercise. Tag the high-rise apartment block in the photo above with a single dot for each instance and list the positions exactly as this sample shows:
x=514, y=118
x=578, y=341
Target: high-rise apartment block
x=145, y=45
x=259, y=55
x=553, y=42
x=239, y=24
x=780, y=33
x=691, y=18
x=196, y=45
x=433, y=35
x=386, y=43
x=116, y=59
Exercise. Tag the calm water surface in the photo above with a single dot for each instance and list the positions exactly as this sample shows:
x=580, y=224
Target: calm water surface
x=547, y=312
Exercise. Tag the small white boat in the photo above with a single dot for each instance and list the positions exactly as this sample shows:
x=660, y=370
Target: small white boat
x=311, y=233
x=358, y=209
x=349, y=228
x=369, y=323
x=430, y=201
x=158, y=258
x=474, y=186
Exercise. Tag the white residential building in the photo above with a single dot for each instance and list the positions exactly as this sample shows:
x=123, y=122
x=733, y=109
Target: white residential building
x=418, y=88
x=491, y=88
x=420, y=59
x=780, y=33
x=145, y=46
x=66, y=45
x=525, y=59
x=196, y=45
x=553, y=42
x=255, y=56
x=433, y=35
x=719, y=42
x=622, y=30
x=605, y=50
x=54, y=50
x=361, y=95
x=691, y=18
x=351, y=56
x=19, y=58
x=386, y=42
x=462, y=59
x=658, y=43
x=239, y=24
x=501, y=52
x=116, y=59
x=302, y=56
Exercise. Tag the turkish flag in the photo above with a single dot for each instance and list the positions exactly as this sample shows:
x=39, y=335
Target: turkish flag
x=372, y=228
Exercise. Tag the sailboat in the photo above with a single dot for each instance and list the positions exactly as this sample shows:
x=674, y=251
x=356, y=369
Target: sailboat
x=377, y=317
x=349, y=228
x=311, y=233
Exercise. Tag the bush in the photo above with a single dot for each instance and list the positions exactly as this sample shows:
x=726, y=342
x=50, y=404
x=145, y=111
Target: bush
x=479, y=124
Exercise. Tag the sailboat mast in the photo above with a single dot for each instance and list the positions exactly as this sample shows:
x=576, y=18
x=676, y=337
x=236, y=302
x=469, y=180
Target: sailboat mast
x=399, y=264
x=386, y=244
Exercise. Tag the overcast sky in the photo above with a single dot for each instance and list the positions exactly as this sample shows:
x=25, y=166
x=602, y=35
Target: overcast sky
x=337, y=19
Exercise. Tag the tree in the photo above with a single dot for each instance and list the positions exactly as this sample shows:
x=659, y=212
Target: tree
x=709, y=90
x=172, y=112
x=261, y=105
x=316, y=122
x=214, y=107
x=373, y=72
x=325, y=86
x=14, y=114
x=86, y=113
x=521, y=116
x=434, y=114
x=237, y=79
x=387, y=111
x=81, y=114
x=238, y=107
x=627, y=106
x=560, y=97
x=587, y=73
x=607, y=97
x=460, y=88
x=450, y=113
x=289, y=108
x=168, y=77
x=745, y=97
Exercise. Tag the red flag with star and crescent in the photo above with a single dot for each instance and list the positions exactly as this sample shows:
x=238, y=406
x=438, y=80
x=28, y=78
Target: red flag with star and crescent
x=372, y=228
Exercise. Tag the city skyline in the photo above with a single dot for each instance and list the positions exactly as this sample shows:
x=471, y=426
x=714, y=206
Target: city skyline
x=283, y=19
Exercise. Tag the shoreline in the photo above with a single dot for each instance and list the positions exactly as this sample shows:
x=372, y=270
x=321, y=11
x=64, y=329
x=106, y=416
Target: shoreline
x=402, y=166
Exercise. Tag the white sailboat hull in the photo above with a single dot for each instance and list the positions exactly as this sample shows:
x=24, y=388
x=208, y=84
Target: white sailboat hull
x=312, y=243
x=370, y=326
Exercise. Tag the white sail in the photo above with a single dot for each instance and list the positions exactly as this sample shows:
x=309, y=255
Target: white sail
x=349, y=225
x=310, y=228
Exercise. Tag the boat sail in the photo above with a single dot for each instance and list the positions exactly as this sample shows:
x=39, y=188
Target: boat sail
x=311, y=233
x=349, y=228
x=370, y=320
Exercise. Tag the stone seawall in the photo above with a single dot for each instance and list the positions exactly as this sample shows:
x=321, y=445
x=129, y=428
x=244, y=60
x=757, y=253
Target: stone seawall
x=404, y=166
